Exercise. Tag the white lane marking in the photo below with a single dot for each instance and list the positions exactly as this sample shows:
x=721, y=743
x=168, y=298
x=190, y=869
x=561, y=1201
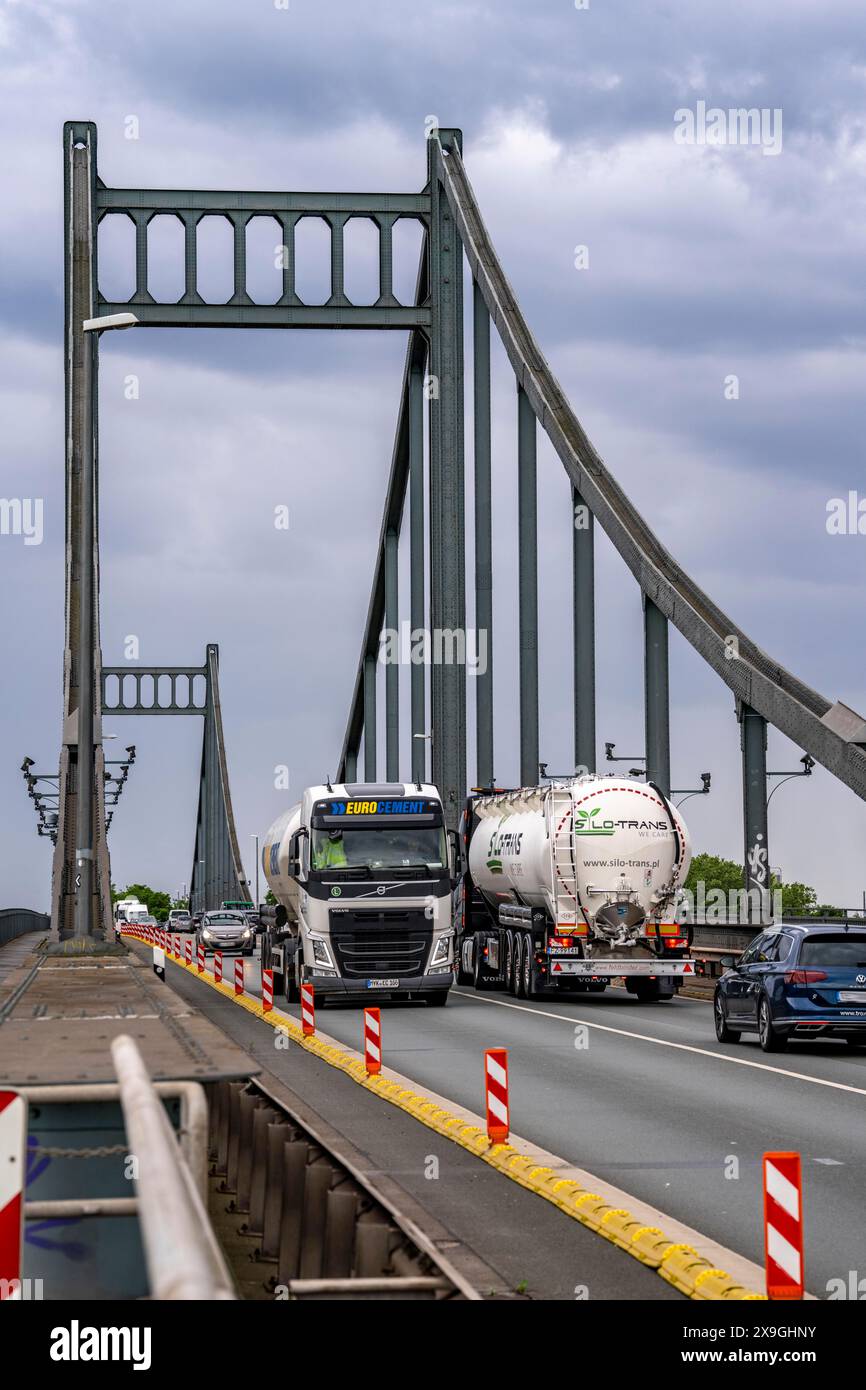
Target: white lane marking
x=665, y=1042
x=783, y=1191
x=830, y=1162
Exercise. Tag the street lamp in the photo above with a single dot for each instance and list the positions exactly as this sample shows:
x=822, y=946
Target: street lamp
x=611, y=755
x=86, y=613
x=703, y=790
x=808, y=763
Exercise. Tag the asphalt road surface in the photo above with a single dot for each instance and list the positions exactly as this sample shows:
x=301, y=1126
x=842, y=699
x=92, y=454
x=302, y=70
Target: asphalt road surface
x=644, y=1097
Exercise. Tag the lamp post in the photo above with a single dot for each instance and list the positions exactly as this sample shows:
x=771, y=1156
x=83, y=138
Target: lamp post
x=84, y=851
x=256, y=838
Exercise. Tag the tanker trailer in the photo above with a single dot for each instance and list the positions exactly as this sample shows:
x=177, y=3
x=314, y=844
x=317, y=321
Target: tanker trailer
x=570, y=885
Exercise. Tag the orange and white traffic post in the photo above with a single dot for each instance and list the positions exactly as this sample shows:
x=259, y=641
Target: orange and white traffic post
x=783, y=1225
x=373, y=1041
x=13, y=1151
x=267, y=991
x=496, y=1089
x=200, y=957
x=218, y=966
x=239, y=974
x=308, y=1010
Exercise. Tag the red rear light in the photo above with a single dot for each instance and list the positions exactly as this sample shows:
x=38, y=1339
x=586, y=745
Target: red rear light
x=804, y=977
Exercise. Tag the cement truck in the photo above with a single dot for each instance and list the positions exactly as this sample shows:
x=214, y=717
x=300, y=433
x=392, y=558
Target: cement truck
x=363, y=875
x=568, y=886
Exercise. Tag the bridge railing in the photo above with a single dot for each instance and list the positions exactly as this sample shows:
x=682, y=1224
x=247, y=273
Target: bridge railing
x=15, y=921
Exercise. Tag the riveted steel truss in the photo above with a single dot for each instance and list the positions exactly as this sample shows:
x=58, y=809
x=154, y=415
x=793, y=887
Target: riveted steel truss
x=217, y=872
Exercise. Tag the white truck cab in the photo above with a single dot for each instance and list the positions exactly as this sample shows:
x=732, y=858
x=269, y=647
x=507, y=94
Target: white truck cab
x=363, y=875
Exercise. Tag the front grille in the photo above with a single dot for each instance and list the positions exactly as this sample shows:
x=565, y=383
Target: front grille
x=368, y=943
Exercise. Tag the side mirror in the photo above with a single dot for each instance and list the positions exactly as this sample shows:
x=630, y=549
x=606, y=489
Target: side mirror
x=454, y=856
x=294, y=867
x=728, y=962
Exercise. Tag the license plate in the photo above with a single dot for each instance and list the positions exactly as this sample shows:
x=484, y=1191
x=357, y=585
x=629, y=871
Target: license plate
x=852, y=996
x=610, y=969
x=383, y=984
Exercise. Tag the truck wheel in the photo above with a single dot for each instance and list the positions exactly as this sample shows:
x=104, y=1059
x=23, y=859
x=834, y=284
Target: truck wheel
x=293, y=994
x=509, y=946
x=529, y=972
x=518, y=986
x=437, y=998
x=464, y=977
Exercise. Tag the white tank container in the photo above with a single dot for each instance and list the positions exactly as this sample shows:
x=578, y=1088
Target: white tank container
x=604, y=850
x=275, y=859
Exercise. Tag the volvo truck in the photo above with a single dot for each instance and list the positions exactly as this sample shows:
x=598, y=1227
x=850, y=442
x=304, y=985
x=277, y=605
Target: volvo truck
x=363, y=876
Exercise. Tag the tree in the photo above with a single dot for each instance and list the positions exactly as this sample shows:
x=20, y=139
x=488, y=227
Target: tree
x=798, y=899
x=158, y=904
x=714, y=873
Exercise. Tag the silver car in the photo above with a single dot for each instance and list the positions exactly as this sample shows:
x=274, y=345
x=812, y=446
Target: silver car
x=225, y=931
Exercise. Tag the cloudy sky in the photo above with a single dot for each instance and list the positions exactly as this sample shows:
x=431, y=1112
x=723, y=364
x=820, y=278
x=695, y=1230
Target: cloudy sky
x=705, y=262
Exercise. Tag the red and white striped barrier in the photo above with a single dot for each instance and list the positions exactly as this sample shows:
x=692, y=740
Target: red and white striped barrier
x=218, y=966
x=308, y=1010
x=177, y=950
x=783, y=1225
x=496, y=1087
x=187, y=951
x=267, y=991
x=372, y=1041
x=239, y=974
x=200, y=957
x=13, y=1149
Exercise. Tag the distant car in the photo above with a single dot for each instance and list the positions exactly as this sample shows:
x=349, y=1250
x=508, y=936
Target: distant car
x=225, y=931
x=179, y=920
x=796, y=982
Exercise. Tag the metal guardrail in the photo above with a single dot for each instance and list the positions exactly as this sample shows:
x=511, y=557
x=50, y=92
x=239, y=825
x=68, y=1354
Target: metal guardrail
x=302, y=1222
x=180, y=1250
x=16, y=921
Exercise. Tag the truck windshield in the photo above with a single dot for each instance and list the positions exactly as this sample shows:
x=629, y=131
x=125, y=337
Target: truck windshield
x=385, y=847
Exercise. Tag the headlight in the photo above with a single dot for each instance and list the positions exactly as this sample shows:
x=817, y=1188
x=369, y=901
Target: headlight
x=247, y=934
x=441, y=951
x=321, y=954
x=205, y=933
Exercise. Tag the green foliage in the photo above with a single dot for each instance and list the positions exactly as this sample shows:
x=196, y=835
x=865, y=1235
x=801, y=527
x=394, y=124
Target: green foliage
x=798, y=899
x=270, y=900
x=714, y=872
x=158, y=904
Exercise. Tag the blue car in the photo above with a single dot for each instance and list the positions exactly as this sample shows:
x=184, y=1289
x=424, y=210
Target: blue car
x=796, y=982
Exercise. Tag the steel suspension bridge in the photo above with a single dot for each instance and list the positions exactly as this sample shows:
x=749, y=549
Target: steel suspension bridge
x=434, y=487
